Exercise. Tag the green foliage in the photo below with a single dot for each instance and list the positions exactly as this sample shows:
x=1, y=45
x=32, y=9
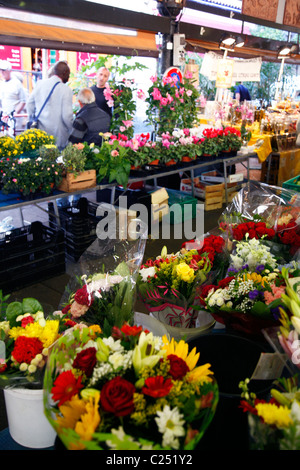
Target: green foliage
x=74, y=158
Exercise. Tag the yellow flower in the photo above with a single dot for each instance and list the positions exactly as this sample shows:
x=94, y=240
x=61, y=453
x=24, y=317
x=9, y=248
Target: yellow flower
x=47, y=334
x=186, y=273
x=71, y=412
x=254, y=277
x=274, y=415
x=90, y=420
x=181, y=349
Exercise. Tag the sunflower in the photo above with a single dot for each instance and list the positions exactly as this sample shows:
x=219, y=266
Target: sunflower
x=196, y=374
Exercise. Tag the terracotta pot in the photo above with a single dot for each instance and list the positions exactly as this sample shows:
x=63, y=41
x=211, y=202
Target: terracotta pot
x=186, y=159
x=171, y=162
x=154, y=162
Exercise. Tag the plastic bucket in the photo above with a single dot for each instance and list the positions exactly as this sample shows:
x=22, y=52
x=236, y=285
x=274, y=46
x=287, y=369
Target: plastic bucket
x=27, y=423
x=233, y=358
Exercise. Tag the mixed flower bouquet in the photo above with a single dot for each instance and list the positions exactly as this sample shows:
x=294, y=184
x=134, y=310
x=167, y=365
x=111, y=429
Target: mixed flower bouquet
x=285, y=338
x=105, y=299
x=129, y=390
x=274, y=424
x=167, y=285
x=26, y=338
x=250, y=296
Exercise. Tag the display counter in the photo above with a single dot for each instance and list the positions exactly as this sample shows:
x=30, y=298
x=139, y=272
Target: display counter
x=281, y=166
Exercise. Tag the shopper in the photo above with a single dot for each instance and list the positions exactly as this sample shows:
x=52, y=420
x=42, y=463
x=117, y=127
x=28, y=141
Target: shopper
x=242, y=93
x=90, y=120
x=98, y=90
x=56, y=117
x=12, y=93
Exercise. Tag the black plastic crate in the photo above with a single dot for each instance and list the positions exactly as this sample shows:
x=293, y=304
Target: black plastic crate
x=29, y=255
x=78, y=220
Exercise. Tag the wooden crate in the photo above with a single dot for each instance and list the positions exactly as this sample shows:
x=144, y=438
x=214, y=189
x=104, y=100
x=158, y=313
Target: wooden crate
x=214, y=197
x=84, y=180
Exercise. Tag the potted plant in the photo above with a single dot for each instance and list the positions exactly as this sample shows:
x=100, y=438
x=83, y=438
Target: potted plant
x=29, y=176
x=210, y=142
x=31, y=140
x=9, y=147
x=171, y=103
x=230, y=140
x=76, y=176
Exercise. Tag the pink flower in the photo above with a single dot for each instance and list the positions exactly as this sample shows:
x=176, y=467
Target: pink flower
x=189, y=92
x=141, y=95
x=153, y=78
x=114, y=153
x=275, y=294
x=164, y=101
x=189, y=75
x=127, y=124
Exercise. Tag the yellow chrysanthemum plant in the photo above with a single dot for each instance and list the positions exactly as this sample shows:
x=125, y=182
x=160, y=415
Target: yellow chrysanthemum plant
x=32, y=139
x=131, y=390
x=274, y=424
x=26, y=336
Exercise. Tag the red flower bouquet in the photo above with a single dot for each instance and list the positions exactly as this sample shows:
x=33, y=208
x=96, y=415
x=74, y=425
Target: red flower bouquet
x=131, y=390
x=27, y=337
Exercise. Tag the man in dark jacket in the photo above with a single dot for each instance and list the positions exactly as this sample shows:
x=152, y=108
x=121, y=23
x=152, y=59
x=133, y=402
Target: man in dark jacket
x=242, y=93
x=90, y=120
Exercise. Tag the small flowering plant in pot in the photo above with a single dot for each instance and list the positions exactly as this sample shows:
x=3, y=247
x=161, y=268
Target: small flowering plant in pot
x=129, y=390
x=230, y=139
x=9, y=147
x=210, y=142
x=28, y=176
x=31, y=140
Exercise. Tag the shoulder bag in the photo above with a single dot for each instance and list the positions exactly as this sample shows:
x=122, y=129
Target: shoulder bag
x=33, y=123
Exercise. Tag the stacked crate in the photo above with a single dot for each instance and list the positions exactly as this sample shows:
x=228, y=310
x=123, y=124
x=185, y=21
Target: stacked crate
x=29, y=255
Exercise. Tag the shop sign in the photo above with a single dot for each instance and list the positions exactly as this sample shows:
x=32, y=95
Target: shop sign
x=224, y=73
x=244, y=70
x=13, y=55
x=86, y=58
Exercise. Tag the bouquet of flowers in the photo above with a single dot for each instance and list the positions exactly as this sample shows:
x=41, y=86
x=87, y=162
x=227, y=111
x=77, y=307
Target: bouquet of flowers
x=274, y=424
x=103, y=288
x=105, y=299
x=26, y=338
x=285, y=338
x=267, y=213
x=167, y=285
x=130, y=390
x=249, y=298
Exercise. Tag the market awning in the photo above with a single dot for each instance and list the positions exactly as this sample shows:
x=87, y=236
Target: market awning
x=115, y=41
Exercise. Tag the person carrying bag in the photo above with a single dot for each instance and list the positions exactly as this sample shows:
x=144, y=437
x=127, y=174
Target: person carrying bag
x=33, y=123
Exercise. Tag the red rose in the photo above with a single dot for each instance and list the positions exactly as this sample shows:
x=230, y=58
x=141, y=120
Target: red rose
x=117, y=397
x=85, y=361
x=224, y=282
x=203, y=292
x=178, y=367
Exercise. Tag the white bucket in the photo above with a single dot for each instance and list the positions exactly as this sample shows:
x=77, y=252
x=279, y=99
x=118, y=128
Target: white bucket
x=27, y=423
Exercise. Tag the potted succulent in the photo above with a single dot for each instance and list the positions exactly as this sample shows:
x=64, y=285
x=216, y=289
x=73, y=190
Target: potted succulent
x=76, y=176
